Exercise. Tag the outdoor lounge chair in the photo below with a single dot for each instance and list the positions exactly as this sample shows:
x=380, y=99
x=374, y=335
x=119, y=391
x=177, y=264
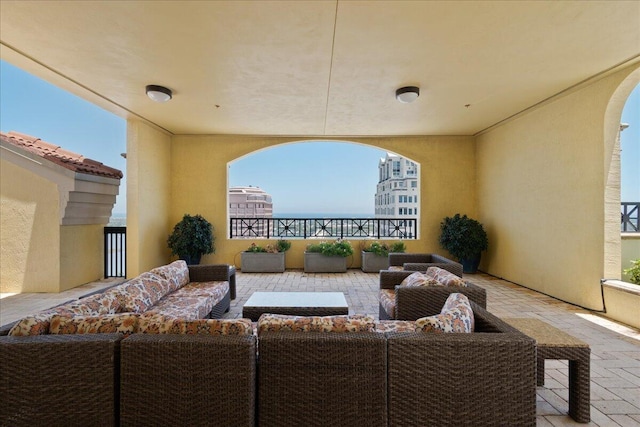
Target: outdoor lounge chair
x=421, y=262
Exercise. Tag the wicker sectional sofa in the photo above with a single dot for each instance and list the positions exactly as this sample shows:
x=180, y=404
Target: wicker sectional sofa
x=312, y=371
x=421, y=262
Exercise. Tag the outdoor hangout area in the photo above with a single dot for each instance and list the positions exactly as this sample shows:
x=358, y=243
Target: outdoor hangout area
x=296, y=348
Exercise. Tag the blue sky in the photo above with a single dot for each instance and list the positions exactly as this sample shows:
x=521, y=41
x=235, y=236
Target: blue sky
x=318, y=176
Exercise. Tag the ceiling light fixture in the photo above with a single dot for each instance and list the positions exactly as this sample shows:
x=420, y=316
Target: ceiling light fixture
x=407, y=94
x=159, y=93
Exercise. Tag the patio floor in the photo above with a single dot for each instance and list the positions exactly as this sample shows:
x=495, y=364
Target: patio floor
x=615, y=348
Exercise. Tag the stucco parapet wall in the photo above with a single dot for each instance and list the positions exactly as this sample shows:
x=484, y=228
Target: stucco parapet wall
x=622, y=286
x=84, y=199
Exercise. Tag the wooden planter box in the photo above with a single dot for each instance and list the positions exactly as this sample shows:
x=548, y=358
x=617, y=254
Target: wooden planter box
x=262, y=262
x=318, y=263
x=372, y=263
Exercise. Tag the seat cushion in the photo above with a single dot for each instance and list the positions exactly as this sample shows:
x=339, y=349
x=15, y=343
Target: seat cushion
x=280, y=322
x=420, y=279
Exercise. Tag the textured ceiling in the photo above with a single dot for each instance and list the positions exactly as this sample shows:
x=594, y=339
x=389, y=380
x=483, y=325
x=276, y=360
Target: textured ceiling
x=320, y=68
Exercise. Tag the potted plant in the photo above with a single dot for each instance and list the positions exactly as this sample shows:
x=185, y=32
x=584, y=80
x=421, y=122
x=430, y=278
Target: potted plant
x=267, y=259
x=191, y=238
x=465, y=239
x=327, y=257
x=375, y=257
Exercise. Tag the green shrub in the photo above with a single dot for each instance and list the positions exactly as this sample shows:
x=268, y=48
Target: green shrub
x=634, y=272
x=337, y=248
x=280, y=246
x=383, y=249
x=191, y=238
x=463, y=237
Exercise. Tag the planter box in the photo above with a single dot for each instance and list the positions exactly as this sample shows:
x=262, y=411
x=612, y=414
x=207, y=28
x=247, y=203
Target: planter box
x=372, y=263
x=262, y=262
x=318, y=263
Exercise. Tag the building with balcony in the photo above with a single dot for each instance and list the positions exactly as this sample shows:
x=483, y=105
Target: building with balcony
x=397, y=191
x=249, y=202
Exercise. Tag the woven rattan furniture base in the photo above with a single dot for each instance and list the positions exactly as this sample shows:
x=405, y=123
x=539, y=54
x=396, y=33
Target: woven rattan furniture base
x=295, y=303
x=552, y=343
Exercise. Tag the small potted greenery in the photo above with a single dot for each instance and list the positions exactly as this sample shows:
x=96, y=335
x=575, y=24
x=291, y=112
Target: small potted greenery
x=375, y=257
x=465, y=239
x=191, y=238
x=634, y=272
x=265, y=259
x=327, y=257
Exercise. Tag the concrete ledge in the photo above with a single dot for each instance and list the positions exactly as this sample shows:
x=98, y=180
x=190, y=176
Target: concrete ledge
x=622, y=301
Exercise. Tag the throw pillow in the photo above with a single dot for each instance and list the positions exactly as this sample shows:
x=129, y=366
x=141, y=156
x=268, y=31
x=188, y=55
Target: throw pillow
x=445, y=277
x=456, y=316
x=419, y=279
x=108, y=324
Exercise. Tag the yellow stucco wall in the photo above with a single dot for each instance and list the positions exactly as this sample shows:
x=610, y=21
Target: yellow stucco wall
x=81, y=254
x=148, y=196
x=199, y=185
x=29, y=231
x=541, y=187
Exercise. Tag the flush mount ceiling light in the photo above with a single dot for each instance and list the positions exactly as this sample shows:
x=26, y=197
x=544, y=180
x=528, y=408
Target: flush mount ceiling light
x=407, y=94
x=159, y=93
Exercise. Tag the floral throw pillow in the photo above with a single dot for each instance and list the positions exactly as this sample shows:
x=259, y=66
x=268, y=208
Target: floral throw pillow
x=108, y=324
x=456, y=316
x=419, y=279
x=446, y=278
x=279, y=322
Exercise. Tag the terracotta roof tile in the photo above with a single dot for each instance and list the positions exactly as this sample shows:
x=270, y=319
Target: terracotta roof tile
x=58, y=155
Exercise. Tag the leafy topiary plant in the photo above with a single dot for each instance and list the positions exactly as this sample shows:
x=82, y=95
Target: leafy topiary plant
x=191, y=238
x=465, y=239
x=337, y=248
x=634, y=272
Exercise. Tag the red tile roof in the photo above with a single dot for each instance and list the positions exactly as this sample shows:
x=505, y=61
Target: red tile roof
x=59, y=155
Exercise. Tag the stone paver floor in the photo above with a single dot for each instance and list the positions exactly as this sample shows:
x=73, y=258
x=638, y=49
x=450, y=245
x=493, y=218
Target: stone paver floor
x=615, y=348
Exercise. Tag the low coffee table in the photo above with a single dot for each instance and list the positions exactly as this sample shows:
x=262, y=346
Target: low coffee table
x=295, y=303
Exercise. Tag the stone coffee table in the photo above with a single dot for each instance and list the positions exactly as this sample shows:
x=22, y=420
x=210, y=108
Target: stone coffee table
x=295, y=303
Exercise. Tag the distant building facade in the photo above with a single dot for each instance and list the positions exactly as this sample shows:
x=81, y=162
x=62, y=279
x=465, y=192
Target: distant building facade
x=249, y=202
x=397, y=190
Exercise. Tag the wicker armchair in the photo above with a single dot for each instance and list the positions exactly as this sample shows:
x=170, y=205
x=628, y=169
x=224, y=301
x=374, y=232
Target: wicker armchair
x=485, y=378
x=411, y=303
x=188, y=380
x=421, y=262
x=322, y=379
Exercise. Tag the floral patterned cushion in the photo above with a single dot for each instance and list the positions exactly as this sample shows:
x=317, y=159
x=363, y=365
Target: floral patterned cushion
x=141, y=293
x=420, y=279
x=445, y=277
x=185, y=307
x=95, y=305
x=395, y=326
x=278, y=322
x=387, y=299
x=107, y=324
x=456, y=316
x=214, y=290
x=177, y=273
x=38, y=324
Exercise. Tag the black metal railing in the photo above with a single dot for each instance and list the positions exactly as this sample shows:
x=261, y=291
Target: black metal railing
x=323, y=228
x=115, y=252
x=630, y=220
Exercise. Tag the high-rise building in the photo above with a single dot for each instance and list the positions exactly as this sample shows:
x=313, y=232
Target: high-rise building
x=397, y=190
x=249, y=202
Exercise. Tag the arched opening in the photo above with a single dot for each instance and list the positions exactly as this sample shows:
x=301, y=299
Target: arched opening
x=612, y=137
x=350, y=190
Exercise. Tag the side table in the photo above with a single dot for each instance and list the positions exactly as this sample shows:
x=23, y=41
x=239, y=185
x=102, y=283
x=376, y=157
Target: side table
x=552, y=343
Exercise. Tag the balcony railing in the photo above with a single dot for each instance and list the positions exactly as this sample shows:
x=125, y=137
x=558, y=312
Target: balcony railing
x=115, y=252
x=323, y=228
x=630, y=222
